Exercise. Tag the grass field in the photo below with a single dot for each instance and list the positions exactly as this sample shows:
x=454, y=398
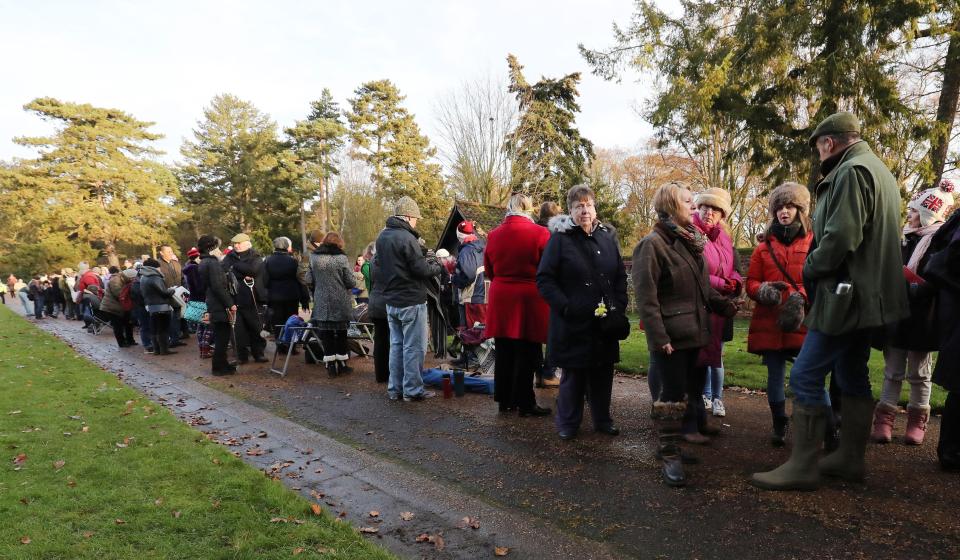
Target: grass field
x=744, y=369
x=92, y=469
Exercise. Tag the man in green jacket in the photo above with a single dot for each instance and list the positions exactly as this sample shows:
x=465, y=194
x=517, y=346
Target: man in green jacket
x=854, y=276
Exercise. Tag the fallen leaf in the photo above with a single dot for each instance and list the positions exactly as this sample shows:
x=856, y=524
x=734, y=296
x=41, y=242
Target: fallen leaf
x=261, y=434
x=119, y=521
x=423, y=537
x=20, y=459
x=158, y=502
x=59, y=464
x=501, y=550
x=85, y=429
x=215, y=461
x=121, y=445
x=25, y=540
x=298, y=550
x=24, y=501
x=406, y=515
x=277, y=520
x=255, y=451
x=370, y=530
x=15, y=412
x=471, y=522
x=72, y=483
x=316, y=509
x=176, y=514
x=342, y=514
x=316, y=495
x=215, y=504
x=374, y=513
x=438, y=542
x=87, y=534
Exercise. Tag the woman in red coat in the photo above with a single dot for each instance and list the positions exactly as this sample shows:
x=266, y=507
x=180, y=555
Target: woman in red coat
x=517, y=316
x=775, y=282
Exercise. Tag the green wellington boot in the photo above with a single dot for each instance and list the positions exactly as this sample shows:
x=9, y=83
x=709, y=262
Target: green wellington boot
x=847, y=462
x=800, y=471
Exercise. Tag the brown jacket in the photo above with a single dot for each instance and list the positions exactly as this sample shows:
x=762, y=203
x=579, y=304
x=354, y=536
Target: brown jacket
x=172, y=272
x=673, y=293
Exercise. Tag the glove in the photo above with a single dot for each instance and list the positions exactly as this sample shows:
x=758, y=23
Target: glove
x=770, y=293
x=735, y=287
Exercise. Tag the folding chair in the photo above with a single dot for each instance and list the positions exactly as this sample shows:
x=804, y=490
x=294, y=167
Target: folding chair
x=362, y=334
x=302, y=336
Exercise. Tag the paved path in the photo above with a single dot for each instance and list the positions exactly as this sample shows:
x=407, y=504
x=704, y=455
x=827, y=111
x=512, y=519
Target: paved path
x=595, y=497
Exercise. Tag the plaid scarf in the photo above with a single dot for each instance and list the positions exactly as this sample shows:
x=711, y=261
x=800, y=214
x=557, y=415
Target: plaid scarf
x=689, y=235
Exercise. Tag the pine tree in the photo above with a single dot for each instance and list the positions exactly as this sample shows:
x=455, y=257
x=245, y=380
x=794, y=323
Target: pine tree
x=386, y=137
x=94, y=185
x=547, y=151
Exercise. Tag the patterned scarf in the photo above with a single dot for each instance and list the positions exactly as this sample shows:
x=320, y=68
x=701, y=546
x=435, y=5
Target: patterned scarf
x=689, y=235
x=926, y=236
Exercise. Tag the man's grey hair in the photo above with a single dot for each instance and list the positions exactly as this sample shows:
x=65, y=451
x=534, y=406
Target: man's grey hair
x=844, y=138
x=282, y=243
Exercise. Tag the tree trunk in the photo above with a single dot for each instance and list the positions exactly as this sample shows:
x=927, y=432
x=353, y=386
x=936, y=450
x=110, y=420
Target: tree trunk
x=947, y=109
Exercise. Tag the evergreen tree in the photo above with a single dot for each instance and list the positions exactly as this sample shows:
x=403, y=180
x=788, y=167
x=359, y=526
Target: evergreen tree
x=386, y=137
x=547, y=151
x=238, y=176
x=314, y=141
x=95, y=184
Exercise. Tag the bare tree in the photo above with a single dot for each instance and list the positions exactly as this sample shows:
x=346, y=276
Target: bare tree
x=474, y=120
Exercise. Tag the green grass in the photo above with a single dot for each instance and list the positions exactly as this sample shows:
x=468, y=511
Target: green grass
x=134, y=481
x=744, y=369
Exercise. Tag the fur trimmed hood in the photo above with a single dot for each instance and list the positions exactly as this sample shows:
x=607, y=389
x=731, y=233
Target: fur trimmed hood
x=563, y=223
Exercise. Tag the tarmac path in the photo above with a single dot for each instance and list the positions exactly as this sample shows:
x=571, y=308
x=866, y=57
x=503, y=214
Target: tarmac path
x=594, y=497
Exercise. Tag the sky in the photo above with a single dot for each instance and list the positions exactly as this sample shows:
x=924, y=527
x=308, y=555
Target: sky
x=164, y=61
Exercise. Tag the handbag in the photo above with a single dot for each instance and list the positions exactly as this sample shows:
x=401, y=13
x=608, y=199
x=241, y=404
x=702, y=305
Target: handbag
x=195, y=311
x=614, y=325
x=794, y=310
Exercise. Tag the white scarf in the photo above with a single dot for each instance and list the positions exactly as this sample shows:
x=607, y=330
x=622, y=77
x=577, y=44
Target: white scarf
x=926, y=236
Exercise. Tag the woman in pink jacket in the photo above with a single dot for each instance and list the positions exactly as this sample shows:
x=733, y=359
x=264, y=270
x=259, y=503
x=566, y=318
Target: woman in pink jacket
x=713, y=208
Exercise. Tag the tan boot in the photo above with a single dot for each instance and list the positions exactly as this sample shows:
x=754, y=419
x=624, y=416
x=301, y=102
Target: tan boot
x=800, y=471
x=847, y=462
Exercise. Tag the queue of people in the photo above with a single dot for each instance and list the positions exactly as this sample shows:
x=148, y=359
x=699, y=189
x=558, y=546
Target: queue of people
x=829, y=281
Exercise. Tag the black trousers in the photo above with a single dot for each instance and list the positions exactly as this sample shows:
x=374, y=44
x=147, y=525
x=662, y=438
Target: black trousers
x=593, y=384
x=122, y=328
x=948, y=448
x=280, y=311
x=247, y=328
x=381, y=350
x=221, y=340
x=159, y=325
x=516, y=362
x=334, y=342
x=680, y=377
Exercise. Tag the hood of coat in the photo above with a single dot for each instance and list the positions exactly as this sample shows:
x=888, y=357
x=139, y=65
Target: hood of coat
x=563, y=223
x=395, y=222
x=328, y=249
x=149, y=271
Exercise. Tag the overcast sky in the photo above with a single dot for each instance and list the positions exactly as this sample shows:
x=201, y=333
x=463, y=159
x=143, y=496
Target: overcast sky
x=164, y=61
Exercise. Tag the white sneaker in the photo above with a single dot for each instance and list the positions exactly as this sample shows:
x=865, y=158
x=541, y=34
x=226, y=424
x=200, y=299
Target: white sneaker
x=707, y=403
x=718, y=409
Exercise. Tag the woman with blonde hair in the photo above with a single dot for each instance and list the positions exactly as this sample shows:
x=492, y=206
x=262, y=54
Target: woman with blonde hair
x=516, y=314
x=332, y=301
x=675, y=297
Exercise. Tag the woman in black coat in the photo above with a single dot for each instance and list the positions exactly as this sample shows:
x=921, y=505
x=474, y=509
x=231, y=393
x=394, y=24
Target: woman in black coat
x=220, y=304
x=581, y=276
x=377, y=311
x=943, y=271
x=284, y=290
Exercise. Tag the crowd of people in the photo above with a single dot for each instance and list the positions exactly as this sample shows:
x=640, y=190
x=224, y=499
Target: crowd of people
x=827, y=281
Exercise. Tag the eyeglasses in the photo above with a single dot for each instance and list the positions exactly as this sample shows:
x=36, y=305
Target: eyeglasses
x=708, y=208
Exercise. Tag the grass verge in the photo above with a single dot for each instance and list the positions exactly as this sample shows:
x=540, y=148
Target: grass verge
x=93, y=469
x=744, y=369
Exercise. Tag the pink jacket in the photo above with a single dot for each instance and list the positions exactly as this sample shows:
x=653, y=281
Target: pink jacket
x=719, y=254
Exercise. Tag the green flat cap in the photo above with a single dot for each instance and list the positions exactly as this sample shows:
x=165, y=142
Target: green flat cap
x=240, y=238
x=837, y=123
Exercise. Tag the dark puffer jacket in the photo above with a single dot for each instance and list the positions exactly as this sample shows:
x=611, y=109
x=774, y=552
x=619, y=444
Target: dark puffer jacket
x=567, y=282
x=943, y=272
x=375, y=305
x=153, y=287
x=280, y=279
x=246, y=264
x=405, y=268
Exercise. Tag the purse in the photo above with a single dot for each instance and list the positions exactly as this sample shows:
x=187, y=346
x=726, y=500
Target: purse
x=794, y=310
x=195, y=311
x=615, y=325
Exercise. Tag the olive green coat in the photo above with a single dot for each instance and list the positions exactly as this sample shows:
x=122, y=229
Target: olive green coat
x=856, y=229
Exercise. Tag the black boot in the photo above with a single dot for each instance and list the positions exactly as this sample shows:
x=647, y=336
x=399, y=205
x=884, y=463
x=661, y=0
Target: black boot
x=162, y=346
x=668, y=420
x=780, y=423
x=331, y=363
x=342, y=367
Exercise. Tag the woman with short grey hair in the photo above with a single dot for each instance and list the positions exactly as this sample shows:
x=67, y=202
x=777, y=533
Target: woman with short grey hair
x=284, y=289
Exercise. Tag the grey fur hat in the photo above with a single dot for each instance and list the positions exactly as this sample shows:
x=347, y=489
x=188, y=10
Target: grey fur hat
x=790, y=193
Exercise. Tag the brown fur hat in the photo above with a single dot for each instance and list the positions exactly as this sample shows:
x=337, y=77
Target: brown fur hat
x=790, y=193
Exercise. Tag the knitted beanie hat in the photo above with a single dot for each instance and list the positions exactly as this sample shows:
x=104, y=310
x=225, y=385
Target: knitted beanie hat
x=933, y=204
x=464, y=230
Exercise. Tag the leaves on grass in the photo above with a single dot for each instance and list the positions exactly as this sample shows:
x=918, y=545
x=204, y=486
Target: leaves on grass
x=176, y=514
x=15, y=412
x=59, y=464
x=25, y=540
x=20, y=459
x=406, y=515
x=369, y=530
x=286, y=520
x=316, y=509
x=85, y=429
x=119, y=521
x=255, y=451
x=71, y=483
x=158, y=502
x=501, y=550
x=87, y=534
x=316, y=495
x=471, y=522
x=298, y=550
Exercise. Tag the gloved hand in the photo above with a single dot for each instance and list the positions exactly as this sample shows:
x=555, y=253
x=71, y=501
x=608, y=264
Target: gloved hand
x=770, y=293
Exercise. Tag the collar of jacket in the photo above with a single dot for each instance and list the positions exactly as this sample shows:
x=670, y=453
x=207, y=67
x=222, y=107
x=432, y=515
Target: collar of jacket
x=328, y=249
x=855, y=149
x=395, y=222
x=563, y=223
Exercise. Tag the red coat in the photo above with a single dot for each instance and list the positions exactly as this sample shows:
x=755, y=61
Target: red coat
x=515, y=308
x=764, y=334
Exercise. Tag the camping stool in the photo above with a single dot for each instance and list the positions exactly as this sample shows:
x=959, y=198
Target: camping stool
x=301, y=336
x=361, y=332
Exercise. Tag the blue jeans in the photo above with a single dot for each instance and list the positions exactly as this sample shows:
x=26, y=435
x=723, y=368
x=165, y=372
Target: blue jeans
x=713, y=389
x=776, y=373
x=846, y=355
x=143, y=319
x=26, y=303
x=408, y=346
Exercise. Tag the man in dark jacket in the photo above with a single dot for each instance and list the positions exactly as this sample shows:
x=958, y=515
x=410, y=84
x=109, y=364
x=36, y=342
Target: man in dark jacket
x=854, y=275
x=284, y=289
x=247, y=266
x=405, y=267
x=220, y=303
